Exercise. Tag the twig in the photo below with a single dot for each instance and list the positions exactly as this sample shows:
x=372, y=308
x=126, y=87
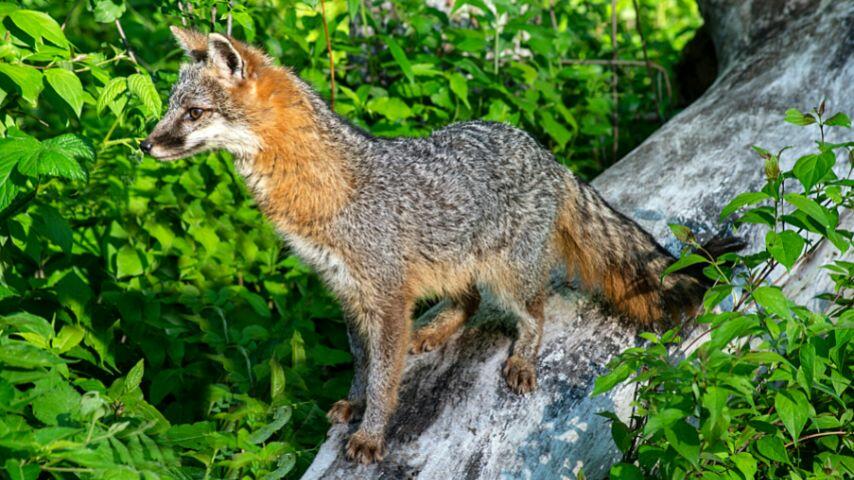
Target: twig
x=624, y=63
x=823, y=434
x=615, y=116
x=125, y=41
x=646, y=59
x=228, y=19
x=552, y=14
x=213, y=18
x=329, y=51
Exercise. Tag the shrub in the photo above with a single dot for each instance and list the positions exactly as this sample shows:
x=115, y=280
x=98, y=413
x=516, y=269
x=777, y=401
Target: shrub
x=767, y=392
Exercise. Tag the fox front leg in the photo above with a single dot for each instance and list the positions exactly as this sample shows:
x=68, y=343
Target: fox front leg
x=352, y=407
x=387, y=335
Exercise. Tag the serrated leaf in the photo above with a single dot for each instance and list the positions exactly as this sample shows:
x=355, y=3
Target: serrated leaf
x=113, y=89
x=68, y=86
x=785, y=247
x=72, y=145
x=142, y=87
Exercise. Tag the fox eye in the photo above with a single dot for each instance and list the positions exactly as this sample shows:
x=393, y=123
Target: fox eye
x=195, y=113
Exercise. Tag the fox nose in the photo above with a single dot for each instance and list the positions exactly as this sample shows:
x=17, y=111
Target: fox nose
x=145, y=146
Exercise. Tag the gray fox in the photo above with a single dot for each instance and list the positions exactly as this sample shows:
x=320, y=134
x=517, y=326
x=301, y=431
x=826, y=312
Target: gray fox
x=386, y=221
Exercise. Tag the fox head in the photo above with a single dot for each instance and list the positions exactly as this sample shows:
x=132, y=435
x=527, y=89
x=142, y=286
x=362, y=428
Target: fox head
x=218, y=102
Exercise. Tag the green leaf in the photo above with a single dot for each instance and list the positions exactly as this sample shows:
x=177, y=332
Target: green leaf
x=459, y=85
x=799, y=118
x=555, y=130
x=142, y=87
x=72, y=145
x=128, y=262
x=793, y=409
x=106, y=11
x=111, y=90
x=684, y=439
x=838, y=120
x=399, y=57
x=281, y=417
x=393, y=108
x=20, y=151
x=625, y=471
x=277, y=379
x=19, y=470
x=772, y=448
x=745, y=463
x=741, y=200
x=68, y=86
x=68, y=337
x=810, y=207
x=134, y=377
x=681, y=232
x=606, y=382
x=715, y=295
x=811, y=169
x=297, y=349
x=772, y=300
x=39, y=25
x=684, y=261
x=785, y=247
x=27, y=80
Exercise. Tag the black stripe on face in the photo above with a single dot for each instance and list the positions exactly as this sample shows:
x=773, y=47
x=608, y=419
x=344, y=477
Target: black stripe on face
x=169, y=140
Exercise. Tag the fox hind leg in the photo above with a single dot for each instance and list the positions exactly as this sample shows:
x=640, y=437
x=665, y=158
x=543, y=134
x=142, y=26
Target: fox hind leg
x=520, y=368
x=448, y=321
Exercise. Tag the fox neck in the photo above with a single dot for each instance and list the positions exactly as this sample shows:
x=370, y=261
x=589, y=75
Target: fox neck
x=302, y=173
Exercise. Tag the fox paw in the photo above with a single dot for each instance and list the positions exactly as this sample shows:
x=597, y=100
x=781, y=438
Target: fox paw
x=425, y=340
x=341, y=412
x=365, y=448
x=520, y=374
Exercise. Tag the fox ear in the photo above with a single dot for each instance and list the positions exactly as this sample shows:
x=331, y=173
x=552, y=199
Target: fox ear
x=194, y=44
x=223, y=56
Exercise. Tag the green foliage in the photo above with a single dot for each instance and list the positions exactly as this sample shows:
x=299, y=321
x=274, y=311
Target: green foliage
x=151, y=322
x=767, y=392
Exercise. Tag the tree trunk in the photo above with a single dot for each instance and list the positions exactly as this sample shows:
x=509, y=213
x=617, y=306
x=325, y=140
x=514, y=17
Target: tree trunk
x=457, y=419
